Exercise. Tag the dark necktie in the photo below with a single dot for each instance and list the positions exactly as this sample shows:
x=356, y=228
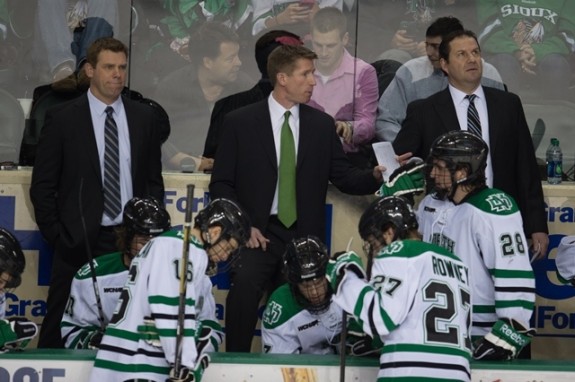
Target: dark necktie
x=112, y=197
x=473, y=123
x=287, y=210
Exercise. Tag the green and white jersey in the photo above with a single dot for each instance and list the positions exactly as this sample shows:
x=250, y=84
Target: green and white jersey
x=81, y=315
x=418, y=303
x=152, y=291
x=486, y=232
x=288, y=328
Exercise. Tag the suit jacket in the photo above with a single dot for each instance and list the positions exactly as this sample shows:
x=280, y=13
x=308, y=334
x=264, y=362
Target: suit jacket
x=67, y=163
x=246, y=168
x=513, y=159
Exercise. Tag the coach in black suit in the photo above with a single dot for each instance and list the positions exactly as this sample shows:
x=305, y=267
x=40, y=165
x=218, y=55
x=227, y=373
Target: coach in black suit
x=67, y=179
x=246, y=170
x=512, y=166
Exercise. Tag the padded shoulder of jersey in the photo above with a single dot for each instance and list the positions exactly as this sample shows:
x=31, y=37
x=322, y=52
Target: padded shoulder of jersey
x=493, y=201
x=179, y=235
x=280, y=308
x=103, y=265
x=412, y=248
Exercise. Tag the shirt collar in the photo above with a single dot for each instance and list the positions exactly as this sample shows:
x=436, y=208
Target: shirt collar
x=459, y=97
x=100, y=107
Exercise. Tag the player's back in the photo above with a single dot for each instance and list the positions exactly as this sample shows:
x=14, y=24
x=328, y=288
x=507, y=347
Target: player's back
x=425, y=307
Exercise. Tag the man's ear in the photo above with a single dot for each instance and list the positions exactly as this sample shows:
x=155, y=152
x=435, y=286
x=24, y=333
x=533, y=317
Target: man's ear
x=345, y=39
x=443, y=64
x=89, y=70
x=208, y=62
x=281, y=78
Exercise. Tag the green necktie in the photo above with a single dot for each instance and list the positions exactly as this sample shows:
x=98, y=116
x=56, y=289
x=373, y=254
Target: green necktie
x=287, y=213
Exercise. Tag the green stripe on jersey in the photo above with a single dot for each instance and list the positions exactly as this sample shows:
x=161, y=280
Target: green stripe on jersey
x=418, y=348
x=172, y=301
x=105, y=265
x=515, y=304
x=413, y=248
x=512, y=274
x=131, y=368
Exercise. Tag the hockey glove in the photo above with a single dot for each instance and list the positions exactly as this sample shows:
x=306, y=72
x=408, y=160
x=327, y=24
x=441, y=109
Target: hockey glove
x=504, y=342
x=407, y=179
x=16, y=333
x=203, y=337
x=360, y=344
x=187, y=375
x=94, y=339
x=149, y=333
x=344, y=261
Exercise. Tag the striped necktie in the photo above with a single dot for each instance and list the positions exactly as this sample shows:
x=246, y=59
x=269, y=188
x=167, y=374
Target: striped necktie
x=287, y=210
x=473, y=123
x=112, y=197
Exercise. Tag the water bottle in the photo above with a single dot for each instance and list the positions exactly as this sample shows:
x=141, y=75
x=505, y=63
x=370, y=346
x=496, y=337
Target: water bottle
x=554, y=162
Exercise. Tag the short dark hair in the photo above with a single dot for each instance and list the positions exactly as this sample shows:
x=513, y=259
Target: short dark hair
x=444, y=47
x=442, y=26
x=284, y=58
x=206, y=41
x=328, y=19
x=104, y=43
x=268, y=42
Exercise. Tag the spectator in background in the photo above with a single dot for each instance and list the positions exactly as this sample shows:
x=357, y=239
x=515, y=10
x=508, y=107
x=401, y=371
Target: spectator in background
x=189, y=93
x=82, y=323
x=284, y=201
x=264, y=46
x=78, y=182
x=419, y=78
x=346, y=87
x=293, y=15
x=407, y=20
x=65, y=33
x=529, y=42
x=15, y=332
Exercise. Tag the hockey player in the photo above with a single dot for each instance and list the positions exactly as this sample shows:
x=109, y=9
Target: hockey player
x=143, y=218
x=15, y=332
x=417, y=301
x=140, y=342
x=484, y=227
x=300, y=316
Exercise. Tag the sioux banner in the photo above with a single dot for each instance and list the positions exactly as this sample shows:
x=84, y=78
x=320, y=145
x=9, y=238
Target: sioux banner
x=554, y=316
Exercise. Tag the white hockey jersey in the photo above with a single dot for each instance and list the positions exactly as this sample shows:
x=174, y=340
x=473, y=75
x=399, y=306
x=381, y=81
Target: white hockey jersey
x=418, y=303
x=152, y=290
x=81, y=315
x=486, y=232
x=288, y=328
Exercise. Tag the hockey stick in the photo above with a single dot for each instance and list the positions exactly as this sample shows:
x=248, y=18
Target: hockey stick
x=343, y=337
x=91, y=262
x=183, y=279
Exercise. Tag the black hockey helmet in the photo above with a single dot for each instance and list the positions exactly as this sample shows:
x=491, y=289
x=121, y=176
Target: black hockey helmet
x=12, y=260
x=145, y=216
x=459, y=149
x=226, y=214
x=384, y=212
x=306, y=259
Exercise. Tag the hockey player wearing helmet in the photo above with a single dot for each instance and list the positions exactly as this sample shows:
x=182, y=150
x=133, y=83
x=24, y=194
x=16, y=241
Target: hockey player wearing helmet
x=143, y=218
x=484, y=227
x=300, y=316
x=140, y=341
x=417, y=300
x=15, y=332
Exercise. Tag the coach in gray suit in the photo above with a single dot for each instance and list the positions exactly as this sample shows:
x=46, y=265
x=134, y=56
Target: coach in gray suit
x=246, y=169
x=67, y=189
x=511, y=165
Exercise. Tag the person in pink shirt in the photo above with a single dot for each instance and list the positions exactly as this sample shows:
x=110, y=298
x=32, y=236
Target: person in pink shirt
x=346, y=87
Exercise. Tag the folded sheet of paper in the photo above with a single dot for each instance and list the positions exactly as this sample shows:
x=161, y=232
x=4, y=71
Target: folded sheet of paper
x=385, y=157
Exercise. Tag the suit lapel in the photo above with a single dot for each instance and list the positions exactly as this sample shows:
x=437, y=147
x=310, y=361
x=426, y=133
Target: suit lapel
x=492, y=113
x=134, y=132
x=84, y=123
x=264, y=132
x=446, y=110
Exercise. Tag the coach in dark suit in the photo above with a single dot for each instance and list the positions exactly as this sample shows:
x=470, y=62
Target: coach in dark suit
x=247, y=169
x=512, y=166
x=67, y=189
